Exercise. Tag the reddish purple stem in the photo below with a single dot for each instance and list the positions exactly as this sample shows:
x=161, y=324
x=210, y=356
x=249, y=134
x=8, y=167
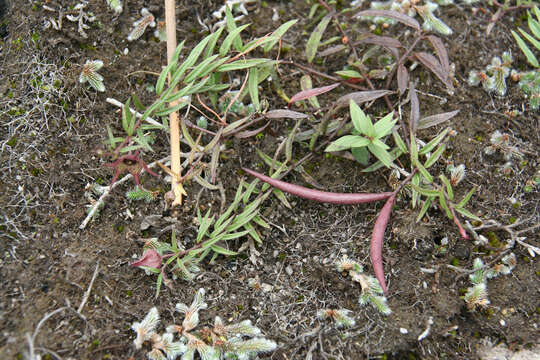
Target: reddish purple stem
x=377, y=240
x=320, y=196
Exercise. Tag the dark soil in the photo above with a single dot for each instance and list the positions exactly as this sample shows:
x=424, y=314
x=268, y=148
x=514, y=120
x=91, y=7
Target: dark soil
x=52, y=131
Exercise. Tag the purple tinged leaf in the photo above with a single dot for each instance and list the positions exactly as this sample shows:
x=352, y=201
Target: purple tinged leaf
x=436, y=119
x=415, y=109
x=377, y=237
x=381, y=40
x=282, y=113
x=441, y=52
x=150, y=258
x=320, y=196
x=435, y=66
x=402, y=18
x=250, y=133
x=402, y=78
x=360, y=97
x=302, y=95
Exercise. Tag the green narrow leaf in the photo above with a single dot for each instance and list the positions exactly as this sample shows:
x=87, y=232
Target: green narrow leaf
x=449, y=190
x=399, y=142
x=384, y=126
x=176, y=54
x=444, y=205
x=253, y=86
x=415, y=194
x=231, y=26
x=253, y=233
x=204, y=68
x=137, y=102
x=434, y=142
x=435, y=156
x=212, y=42
x=468, y=214
x=281, y=197
x=466, y=199
x=424, y=208
x=531, y=39
x=424, y=191
x=423, y=171
x=315, y=38
x=381, y=154
x=163, y=77
x=191, y=59
x=526, y=51
x=278, y=33
x=259, y=221
x=361, y=121
x=394, y=153
x=221, y=250
x=290, y=140
x=226, y=45
x=158, y=284
x=242, y=64
x=205, y=224
x=347, y=142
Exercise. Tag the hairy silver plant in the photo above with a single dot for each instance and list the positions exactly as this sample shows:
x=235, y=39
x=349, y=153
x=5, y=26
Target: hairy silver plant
x=235, y=341
x=89, y=74
x=139, y=26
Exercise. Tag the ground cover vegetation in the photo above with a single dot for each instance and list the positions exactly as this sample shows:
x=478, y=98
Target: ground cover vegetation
x=260, y=105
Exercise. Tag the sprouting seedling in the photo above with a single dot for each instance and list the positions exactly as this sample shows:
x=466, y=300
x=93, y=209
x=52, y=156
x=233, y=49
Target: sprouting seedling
x=500, y=142
x=235, y=341
x=141, y=194
x=366, y=136
x=431, y=22
x=477, y=295
x=116, y=6
x=89, y=73
x=342, y=317
x=457, y=173
x=140, y=25
x=131, y=163
x=372, y=292
x=493, y=77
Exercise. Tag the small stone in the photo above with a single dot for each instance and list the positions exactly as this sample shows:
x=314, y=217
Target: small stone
x=267, y=287
x=289, y=270
x=403, y=331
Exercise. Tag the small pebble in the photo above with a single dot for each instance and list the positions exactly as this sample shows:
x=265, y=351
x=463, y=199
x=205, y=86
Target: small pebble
x=403, y=331
x=289, y=270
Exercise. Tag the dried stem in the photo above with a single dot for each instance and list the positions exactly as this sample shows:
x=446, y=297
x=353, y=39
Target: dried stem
x=174, y=120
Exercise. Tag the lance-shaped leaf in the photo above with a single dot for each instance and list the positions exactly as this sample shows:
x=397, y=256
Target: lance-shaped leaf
x=282, y=113
x=315, y=38
x=402, y=78
x=436, y=119
x=415, y=109
x=441, y=52
x=402, y=18
x=306, y=94
x=435, y=66
x=320, y=196
x=360, y=97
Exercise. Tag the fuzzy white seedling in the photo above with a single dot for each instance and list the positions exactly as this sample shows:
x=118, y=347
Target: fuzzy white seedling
x=139, y=26
x=89, y=74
